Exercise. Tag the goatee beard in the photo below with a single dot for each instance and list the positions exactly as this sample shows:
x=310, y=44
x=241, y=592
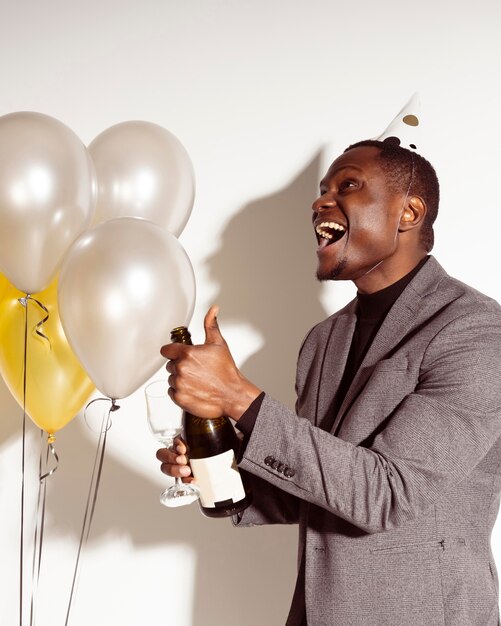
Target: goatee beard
x=333, y=274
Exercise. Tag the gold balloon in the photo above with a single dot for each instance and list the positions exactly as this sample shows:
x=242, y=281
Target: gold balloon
x=4, y=285
x=57, y=386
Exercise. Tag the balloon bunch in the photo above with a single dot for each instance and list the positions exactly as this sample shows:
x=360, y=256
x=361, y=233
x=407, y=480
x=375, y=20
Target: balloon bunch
x=93, y=277
x=106, y=218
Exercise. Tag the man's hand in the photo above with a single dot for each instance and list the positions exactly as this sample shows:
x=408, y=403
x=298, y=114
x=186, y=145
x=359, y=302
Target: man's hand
x=204, y=379
x=174, y=461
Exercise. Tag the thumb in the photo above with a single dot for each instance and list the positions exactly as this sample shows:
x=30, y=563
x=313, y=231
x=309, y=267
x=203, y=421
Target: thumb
x=212, y=332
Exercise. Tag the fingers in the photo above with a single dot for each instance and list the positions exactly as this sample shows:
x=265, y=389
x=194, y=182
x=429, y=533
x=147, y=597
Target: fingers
x=176, y=471
x=172, y=350
x=171, y=380
x=180, y=446
x=171, y=393
x=173, y=460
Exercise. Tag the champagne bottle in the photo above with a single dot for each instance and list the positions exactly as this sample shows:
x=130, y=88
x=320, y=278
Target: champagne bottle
x=212, y=450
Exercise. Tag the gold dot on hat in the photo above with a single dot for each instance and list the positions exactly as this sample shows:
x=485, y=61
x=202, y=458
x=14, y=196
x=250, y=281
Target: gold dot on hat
x=410, y=120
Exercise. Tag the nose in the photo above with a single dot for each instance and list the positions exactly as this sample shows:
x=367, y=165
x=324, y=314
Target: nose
x=323, y=202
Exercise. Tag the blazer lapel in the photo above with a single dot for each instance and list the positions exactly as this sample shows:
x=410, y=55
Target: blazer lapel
x=334, y=361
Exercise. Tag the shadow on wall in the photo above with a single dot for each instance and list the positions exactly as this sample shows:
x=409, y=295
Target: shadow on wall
x=265, y=269
x=266, y=272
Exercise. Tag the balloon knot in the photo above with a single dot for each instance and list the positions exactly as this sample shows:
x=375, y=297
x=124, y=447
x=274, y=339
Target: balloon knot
x=51, y=438
x=114, y=406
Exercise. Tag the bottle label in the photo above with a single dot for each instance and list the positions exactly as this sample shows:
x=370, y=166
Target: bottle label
x=218, y=479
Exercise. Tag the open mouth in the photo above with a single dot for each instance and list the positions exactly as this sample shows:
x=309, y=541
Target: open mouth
x=329, y=232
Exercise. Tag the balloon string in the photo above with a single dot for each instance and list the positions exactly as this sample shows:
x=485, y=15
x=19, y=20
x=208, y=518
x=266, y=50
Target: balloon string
x=93, y=491
x=36, y=548
x=40, y=521
x=38, y=329
x=24, y=302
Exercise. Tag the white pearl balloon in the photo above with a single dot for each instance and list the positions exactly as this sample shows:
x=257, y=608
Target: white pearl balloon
x=124, y=286
x=47, y=196
x=143, y=171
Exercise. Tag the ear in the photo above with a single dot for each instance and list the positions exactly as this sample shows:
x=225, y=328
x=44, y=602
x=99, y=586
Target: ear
x=413, y=214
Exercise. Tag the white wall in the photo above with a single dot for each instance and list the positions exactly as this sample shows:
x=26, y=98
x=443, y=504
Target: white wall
x=263, y=94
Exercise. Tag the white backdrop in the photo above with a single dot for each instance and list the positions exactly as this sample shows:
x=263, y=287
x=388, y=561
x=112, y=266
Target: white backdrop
x=263, y=94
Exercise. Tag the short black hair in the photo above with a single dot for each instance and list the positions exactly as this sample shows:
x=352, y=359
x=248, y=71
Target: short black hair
x=401, y=167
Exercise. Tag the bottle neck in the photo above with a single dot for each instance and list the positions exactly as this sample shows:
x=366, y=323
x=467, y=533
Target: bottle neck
x=181, y=334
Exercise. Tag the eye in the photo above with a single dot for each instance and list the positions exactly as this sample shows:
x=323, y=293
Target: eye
x=348, y=183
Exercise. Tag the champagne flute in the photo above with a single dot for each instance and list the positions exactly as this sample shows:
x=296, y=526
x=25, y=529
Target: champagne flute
x=166, y=423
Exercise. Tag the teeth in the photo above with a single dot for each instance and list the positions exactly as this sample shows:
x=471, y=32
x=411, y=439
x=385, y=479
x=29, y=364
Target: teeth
x=320, y=228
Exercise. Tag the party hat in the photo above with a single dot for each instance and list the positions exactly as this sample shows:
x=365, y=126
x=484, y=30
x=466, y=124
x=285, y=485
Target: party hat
x=404, y=129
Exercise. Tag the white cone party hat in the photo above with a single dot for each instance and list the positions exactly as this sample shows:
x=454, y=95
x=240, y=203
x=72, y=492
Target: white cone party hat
x=404, y=129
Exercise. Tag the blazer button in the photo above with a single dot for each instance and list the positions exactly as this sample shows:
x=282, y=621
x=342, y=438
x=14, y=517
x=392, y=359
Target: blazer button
x=269, y=460
x=281, y=468
x=289, y=472
x=275, y=464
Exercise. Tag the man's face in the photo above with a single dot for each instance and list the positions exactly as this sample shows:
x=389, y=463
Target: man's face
x=356, y=217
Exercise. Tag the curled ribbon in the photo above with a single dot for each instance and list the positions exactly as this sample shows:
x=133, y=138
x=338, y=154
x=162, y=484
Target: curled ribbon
x=38, y=328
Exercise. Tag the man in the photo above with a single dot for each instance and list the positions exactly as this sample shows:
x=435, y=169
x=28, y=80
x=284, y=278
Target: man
x=391, y=462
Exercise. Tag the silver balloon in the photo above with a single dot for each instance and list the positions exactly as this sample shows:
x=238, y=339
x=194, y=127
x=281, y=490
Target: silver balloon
x=47, y=196
x=124, y=285
x=143, y=171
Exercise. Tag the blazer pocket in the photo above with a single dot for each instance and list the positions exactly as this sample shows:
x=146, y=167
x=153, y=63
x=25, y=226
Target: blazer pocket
x=390, y=379
x=409, y=548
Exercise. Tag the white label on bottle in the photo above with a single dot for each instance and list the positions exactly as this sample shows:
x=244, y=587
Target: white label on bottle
x=218, y=479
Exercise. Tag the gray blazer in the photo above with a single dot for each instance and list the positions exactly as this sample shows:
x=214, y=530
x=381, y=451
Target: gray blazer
x=395, y=512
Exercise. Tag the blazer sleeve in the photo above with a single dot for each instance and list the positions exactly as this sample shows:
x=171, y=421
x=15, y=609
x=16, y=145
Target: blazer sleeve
x=270, y=505
x=432, y=441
